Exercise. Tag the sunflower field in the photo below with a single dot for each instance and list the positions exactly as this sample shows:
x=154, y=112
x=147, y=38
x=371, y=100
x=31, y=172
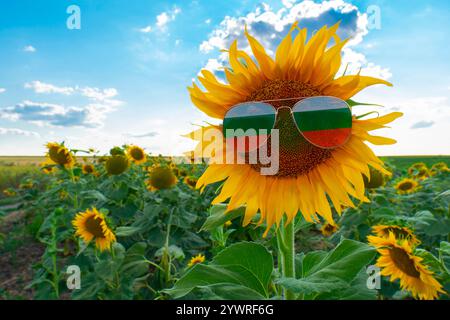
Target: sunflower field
x=335, y=222
x=137, y=228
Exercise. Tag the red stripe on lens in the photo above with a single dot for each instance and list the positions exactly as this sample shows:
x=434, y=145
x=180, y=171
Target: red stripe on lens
x=328, y=138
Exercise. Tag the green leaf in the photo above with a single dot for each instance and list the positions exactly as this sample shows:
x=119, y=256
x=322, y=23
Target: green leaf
x=174, y=251
x=218, y=216
x=357, y=290
x=444, y=253
x=251, y=256
x=241, y=271
x=126, y=231
x=213, y=276
x=334, y=270
x=94, y=194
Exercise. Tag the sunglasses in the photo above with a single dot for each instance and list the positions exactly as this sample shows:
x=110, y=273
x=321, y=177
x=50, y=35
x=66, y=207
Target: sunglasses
x=325, y=122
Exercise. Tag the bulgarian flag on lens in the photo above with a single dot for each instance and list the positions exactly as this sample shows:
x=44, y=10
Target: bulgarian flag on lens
x=248, y=123
x=324, y=121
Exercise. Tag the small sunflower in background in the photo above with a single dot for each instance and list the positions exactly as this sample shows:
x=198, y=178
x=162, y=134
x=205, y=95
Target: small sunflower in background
x=421, y=174
x=402, y=233
x=63, y=194
x=160, y=178
x=88, y=168
x=136, y=154
x=407, y=186
x=116, y=164
x=27, y=184
x=398, y=261
x=59, y=154
x=418, y=171
x=48, y=167
x=91, y=225
x=416, y=166
x=190, y=181
x=227, y=224
x=200, y=258
x=9, y=192
x=303, y=66
x=439, y=168
x=329, y=229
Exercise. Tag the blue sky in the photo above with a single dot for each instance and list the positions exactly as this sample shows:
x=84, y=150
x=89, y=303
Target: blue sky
x=122, y=77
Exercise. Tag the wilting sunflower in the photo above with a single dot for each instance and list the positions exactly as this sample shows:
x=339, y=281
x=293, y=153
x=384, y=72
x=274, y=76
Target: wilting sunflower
x=160, y=177
x=136, y=154
x=88, y=168
x=196, y=259
x=401, y=233
x=398, y=261
x=307, y=174
x=190, y=181
x=407, y=186
x=116, y=164
x=59, y=154
x=328, y=229
x=375, y=180
x=91, y=225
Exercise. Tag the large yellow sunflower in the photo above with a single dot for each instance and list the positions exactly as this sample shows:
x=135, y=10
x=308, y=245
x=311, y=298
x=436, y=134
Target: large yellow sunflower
x=59, y=154
x=407, y=186
x=399, y=232
x=136, y=154
x=398, y=261
x=91, y=224
x=307, y=174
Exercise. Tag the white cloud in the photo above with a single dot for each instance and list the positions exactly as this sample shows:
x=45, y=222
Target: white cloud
x=423, y=128
x=41, y=87
x=165, y=17
x=269, y=27
x=29, y=48
x=18, y=132
x=2, y=90
x=162, y=21
x=55, y=115
x=213, y=65
x=95, y=94
x=208, y=21
x=146, y=29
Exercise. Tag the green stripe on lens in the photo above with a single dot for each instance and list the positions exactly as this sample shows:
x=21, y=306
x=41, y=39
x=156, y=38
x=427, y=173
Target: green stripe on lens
x=248, y=122
x=323, y=119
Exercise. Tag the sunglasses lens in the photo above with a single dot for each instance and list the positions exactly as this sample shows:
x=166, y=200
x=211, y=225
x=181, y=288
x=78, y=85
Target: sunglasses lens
x=248, y=125
x=324, y=121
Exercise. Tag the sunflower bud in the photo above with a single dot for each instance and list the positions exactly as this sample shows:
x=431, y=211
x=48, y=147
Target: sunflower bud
x=116, y=164
x=117, y=151
x=161, y=178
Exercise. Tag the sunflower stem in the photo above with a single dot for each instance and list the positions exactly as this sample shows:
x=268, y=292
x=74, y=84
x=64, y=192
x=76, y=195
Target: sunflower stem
x=285, y=239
